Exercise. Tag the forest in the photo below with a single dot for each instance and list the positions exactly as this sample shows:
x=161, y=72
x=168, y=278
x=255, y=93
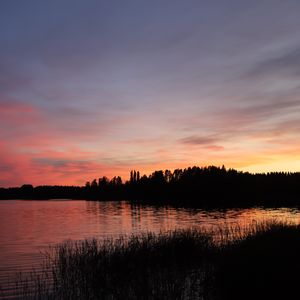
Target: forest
x=194, y=186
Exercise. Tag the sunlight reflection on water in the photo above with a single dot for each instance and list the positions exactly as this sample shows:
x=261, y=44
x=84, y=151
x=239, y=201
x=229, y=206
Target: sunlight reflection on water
x=29, y=227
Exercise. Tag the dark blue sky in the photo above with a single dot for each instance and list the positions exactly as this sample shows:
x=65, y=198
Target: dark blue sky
x=89, y=88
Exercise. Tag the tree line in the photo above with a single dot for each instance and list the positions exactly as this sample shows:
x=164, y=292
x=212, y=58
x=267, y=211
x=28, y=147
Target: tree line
x=196, y=186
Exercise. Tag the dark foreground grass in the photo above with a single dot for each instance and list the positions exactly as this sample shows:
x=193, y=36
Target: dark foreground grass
x=262, y=263
x=150, y=266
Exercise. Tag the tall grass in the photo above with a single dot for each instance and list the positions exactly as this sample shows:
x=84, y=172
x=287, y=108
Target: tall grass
x=264, y=264
x=154, y=266
x=182, y=264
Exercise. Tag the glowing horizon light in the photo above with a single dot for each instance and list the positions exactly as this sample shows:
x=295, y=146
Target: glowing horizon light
x=100, y=88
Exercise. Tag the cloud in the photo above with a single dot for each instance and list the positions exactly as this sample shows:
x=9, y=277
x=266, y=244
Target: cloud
x=198, y=140
x=207, y=142
x=287, y=63
x=251, y=115
x=66, y=167
x=126, y=85
x=12, y=79
x=11, y=107
x=12, y=167
x=14, y=115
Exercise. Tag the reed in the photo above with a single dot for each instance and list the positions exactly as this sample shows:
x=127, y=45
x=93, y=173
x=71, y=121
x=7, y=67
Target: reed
x=263, y=263
x=153, y=266
x=260, y=261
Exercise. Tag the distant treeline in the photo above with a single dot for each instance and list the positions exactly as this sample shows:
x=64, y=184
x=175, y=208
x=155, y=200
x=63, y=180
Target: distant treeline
x=207, y=186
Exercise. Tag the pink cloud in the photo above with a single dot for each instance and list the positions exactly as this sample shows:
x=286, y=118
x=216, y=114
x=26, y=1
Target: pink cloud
x=13, y=107
x=17, y=113
x=73, y=147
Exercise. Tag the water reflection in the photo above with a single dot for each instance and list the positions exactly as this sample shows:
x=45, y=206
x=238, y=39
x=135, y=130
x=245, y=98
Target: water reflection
x=27, y=227
x=117, y=218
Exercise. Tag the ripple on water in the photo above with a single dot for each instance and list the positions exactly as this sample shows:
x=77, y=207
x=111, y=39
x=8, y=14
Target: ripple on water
x=27, y=228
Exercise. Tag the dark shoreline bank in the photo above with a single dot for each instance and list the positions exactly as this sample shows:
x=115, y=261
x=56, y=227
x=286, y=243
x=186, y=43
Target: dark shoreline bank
x=191, y=187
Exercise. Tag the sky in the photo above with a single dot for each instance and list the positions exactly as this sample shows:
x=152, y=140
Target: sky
x=93, y=88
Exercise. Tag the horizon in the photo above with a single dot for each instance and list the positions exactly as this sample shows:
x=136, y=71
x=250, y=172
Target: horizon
x=127, y=179
x=98, y=88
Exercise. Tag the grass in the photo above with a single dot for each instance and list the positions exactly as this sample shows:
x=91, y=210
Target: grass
x=264, y=264
x=261, y=262
x=163, y=266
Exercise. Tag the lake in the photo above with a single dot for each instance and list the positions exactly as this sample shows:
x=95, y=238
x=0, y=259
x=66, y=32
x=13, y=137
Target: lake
x=27, y=228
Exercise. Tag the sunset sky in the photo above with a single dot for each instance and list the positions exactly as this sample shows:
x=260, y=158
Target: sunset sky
x=93, y=88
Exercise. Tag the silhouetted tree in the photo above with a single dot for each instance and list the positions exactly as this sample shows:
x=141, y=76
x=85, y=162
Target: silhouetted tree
x=207, y=186
x=131, y=176
x=103, y=182
x=94, y=184
x=168, y=176
x=116, y=181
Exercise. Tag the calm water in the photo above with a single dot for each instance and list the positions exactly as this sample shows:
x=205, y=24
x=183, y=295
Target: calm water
x=29, y=227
